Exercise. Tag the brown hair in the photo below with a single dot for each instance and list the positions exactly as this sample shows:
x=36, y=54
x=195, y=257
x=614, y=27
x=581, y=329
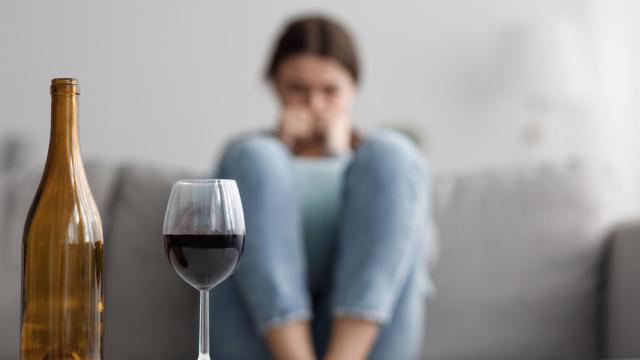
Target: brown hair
x=315, y=35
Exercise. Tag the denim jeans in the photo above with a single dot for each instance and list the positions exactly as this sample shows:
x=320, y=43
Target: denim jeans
x=378, y=267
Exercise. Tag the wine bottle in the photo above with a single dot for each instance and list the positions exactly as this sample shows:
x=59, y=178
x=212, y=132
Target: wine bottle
x=62, y=295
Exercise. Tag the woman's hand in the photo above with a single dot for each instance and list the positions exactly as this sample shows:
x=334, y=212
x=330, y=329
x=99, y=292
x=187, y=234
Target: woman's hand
x=335, y=130
x=311, y=134
x=296, y=126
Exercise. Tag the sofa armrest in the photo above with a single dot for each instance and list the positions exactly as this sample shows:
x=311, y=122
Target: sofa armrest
x=622, y=301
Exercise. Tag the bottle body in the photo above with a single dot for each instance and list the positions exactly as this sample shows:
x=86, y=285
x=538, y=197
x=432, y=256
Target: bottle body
x=62, y=295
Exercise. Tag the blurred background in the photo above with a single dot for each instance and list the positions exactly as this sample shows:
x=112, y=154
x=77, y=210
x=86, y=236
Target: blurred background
x=495, y=91
x=169, y=84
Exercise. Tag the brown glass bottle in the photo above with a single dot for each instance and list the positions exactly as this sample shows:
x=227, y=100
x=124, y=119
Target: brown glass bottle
x=62, y=296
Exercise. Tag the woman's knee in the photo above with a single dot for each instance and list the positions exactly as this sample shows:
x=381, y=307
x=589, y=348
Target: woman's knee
x=256, y=154
x=390, y=154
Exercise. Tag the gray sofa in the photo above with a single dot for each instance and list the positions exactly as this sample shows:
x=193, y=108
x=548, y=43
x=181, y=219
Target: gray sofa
x=529, y=266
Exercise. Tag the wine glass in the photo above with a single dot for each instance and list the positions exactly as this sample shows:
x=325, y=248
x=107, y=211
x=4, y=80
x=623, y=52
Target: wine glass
x=204, y=238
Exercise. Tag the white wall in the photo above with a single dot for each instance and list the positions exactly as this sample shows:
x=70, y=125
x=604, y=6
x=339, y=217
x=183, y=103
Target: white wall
x=169, y=82
x=616, y=30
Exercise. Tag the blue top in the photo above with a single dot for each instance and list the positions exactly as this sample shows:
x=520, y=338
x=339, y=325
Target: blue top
x=320, y=181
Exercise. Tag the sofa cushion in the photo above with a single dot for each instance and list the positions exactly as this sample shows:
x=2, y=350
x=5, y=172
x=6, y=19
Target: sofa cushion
x=150, y=313
x=16, y=194
x=517, y=276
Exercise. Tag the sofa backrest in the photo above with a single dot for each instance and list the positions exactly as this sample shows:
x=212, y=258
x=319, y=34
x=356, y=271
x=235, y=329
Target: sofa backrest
x=518, y=274
x=150, y=312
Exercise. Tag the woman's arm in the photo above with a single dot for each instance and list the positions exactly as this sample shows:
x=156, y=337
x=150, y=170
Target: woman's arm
x=291, y=341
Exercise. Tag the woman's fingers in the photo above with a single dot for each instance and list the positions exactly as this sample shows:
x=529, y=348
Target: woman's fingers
x=296, y=125
x=301, y=130
x=336, y=132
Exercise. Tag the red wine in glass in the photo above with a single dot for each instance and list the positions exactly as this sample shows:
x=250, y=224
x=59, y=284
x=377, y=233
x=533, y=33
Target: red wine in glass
x=204, y=261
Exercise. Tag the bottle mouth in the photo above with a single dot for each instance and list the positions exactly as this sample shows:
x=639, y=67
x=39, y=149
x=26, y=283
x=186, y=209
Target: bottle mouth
x=64, y=86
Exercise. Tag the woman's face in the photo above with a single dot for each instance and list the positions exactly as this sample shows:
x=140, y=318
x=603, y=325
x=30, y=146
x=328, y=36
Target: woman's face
x=321, y=85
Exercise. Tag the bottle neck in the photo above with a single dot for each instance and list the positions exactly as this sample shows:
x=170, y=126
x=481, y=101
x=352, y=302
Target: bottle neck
x=64, y=148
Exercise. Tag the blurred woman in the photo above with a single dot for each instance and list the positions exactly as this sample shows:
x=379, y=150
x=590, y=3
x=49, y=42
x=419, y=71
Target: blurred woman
x=333, y=266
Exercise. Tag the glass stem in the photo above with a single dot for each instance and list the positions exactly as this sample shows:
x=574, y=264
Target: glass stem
x=204, y=326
